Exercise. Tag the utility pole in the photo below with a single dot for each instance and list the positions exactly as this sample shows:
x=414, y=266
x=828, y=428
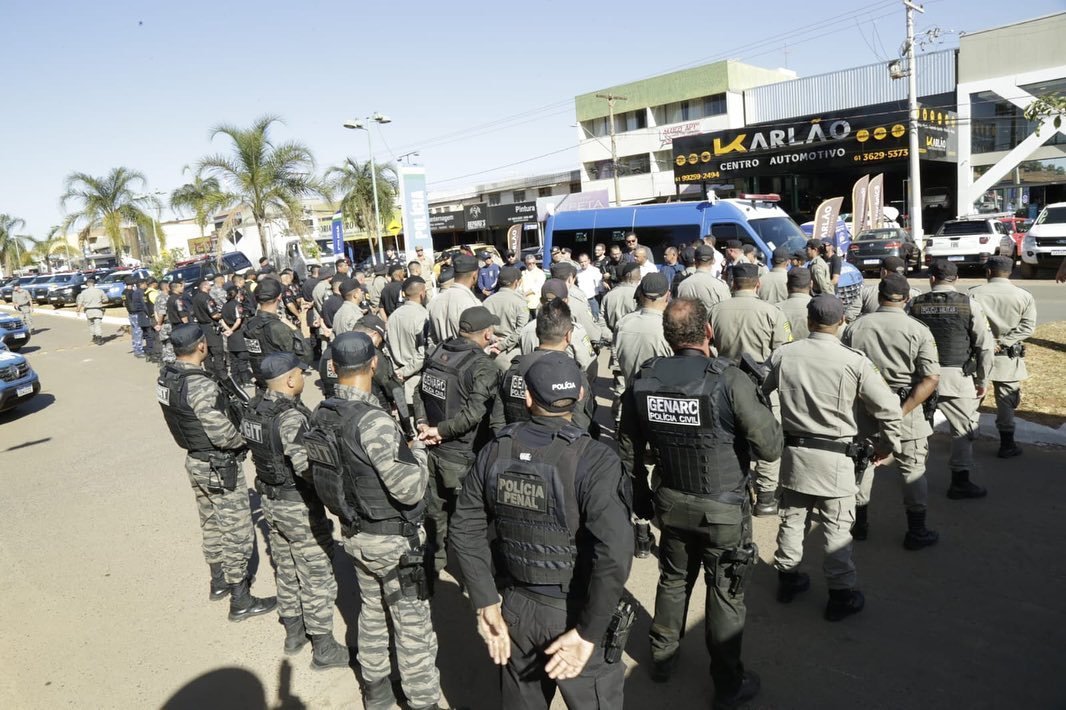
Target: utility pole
x=611, y=98
x=912, y=128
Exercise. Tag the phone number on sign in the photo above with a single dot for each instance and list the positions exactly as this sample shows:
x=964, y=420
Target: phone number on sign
x=881, y=155
x=699, y=177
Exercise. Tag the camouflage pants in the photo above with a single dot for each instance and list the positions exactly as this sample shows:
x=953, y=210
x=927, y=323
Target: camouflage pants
x=225, y=520
x=377, y=558
x=301, y=543
x=164, y=340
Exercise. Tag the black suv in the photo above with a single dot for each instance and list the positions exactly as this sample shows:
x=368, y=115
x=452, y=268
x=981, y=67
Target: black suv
x=192, y=271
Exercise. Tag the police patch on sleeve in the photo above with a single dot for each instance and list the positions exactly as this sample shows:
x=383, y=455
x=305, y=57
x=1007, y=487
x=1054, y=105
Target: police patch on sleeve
x=253, y=431
x=253, y=346
x=434, y=386
x=522, y=492
x=162, y=393
x=674, y=410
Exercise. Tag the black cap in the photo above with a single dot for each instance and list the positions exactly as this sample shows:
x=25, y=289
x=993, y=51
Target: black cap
x=814, y=244
x=509, y=275
x=628, y=268
x=484, y=255
x=552, y=378
x=476, y=319
x=352, y=349
x=688, y=256
x=447, y=274
x=509, y=253
x=553, y=288
x=825, y=310
x=464, y=264
x=349, y=285
x=893, y=264
x=280, y=363
x=799, y=256
x=653, y=285
x=411, y=281
x=943, y=270
x=374, y=323
x=562, y=271
x=1000, y=264
x=734, y=244
x=780, y=255
x=185, y=335
x=894, y=287
x=268, y=290
x=799, y=277
x=745, y=270
x=704, y=253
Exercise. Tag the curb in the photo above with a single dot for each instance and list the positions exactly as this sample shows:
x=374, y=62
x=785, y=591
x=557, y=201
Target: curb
x=69, y=315
x=1025, y=432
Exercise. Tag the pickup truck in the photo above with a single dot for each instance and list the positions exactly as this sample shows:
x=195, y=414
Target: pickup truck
x=18, y=381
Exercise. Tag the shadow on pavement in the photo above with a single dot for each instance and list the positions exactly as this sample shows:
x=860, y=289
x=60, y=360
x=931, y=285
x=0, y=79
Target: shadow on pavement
x=1049, y=344
x=27, y=349
x=27, y=444
x=234, y=689
x=36, y=404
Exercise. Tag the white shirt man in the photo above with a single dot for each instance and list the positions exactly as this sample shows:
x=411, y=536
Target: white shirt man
x=642, y=258
x=589, y=278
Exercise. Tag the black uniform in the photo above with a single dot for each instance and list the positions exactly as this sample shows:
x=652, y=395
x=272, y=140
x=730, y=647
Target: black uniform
x=559, y=505
x=206, y=313
x=458, y=385
x=307, y=291
x=705, y=420
x=510, y=404
x=390, y=296
x=264, y=333
x=239, y=366
x=177, y=310
x=137, y=306
x=330, y=306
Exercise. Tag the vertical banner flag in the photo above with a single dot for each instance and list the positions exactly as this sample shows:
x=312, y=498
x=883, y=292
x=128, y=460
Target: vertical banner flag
x=336, y=230
x=514, y=237
x=876, y=200
x=414, y=205
x=859, y=204
x=825, y=220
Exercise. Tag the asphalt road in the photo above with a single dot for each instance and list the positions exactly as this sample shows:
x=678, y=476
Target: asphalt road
x=105, y=589
x=1050, y=296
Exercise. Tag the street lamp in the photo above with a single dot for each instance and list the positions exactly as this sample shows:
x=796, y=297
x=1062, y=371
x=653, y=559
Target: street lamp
x=361, y=125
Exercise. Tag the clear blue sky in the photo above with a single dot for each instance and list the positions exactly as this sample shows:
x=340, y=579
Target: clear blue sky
x=90, y=86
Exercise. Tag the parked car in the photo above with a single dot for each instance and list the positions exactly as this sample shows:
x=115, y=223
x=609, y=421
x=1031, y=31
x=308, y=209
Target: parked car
x=64, y=289
x=966, y=242
x=18, y=382
x=936, y=197
x=869, y=249
x=1044, y=245
x=192, y=271
x=1011, y=242
x=115, y=283
x=38, y=288
x=13, y=331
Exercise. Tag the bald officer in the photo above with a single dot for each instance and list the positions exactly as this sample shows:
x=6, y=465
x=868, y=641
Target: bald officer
x=448, y=306
x=640, y=334
x=1011, y=313
x=704, y=285
x=773, y=285
x=819, y=405
x=795, y=306
x=904, y=351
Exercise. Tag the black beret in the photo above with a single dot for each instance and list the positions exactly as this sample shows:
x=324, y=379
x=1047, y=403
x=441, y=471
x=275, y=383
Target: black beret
x=476, y=319
x=509, y=275
x=447, y=274
x=799, y=277
x=280, y=363
x=893, y=264
x=894, y=285
x=943, y=270
x=464, y=264
x=734, y=244
x=814, y=244
x=825, y=309
x=745, y=270
x=654, y=285
x=1000, y=264
x=553, y=288
x=185, y=335
x=267, y=290
x=781, y=255
x=375, y=324
x=704, y=253
x=688, y=256
x=349, y=285
x=562, y=270
x=352, y=349
x=552, y=378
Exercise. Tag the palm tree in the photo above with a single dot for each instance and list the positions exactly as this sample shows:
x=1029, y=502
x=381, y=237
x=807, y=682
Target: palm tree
x=12, y=246
x=107, y=203
x=203, y=197
x=53, y=243
x=263, y=176
x=352, y=180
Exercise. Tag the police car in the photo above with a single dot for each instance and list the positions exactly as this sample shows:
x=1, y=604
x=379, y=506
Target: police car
x=18, y=381
x=13, y=332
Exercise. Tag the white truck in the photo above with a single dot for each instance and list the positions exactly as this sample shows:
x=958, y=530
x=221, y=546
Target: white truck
x=1044, y=245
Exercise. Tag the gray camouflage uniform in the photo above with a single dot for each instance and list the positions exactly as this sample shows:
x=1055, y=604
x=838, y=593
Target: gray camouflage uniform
x=160, y=311
x=377, y=558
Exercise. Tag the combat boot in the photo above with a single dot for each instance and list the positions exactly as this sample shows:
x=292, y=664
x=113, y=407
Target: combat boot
x=789, y=584
x=918, y=536
x=749, y=688
x=843, y=603
x=662, y=670
x=295, y=634
x=861, y=528
x=219, y=588
x=765, y=504
x=644, y=540
x=327, y=653
x=243, y=605
x=961, y=487
x=1007, y=448
x=377, y=695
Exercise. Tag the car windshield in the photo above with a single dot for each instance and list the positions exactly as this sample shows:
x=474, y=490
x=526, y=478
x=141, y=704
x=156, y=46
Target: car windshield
x=779, y=231
x=877, y=234
x=65, y=278
x=42, y=279
x=188, y=273
x=1052, y=215
x=237, y=261
x=112, y=278
x=955, y=229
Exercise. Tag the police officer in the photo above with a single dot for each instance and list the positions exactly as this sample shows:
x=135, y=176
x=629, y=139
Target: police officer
x=819, y=419
x=566, y=272
x=1011, y=315
x=448, y=306
x=376, y=286
x=904, y=351
x=965, y=347
x=177, y=312
x=580, y=344
x=821, y=279
x=137, y=310
x=795, y=306
x=390, y=294
x=559, y=505
x=301, y=537
x=406, y=334
x=207, y=314
x=344, y=320
x=869, y=294
x=266, y=332
x=639, y=335
x=232, y=318
x=459, y=383
x=703, y=284
x=165, y=352
x=23, y=302
x=91, y=302
x=510, y=307
x=366, y=474
x=555, y=328
x=203, y=422
x=704, y=418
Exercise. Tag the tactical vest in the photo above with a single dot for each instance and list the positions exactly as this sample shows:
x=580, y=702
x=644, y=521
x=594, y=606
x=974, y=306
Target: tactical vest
x=259, y=346
x=534, y=504
x=947, y=313
x=444, y=386
x=344, y=477
x=262, y=432
x=682, y=418
x=513, y=388
x=171, y=391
